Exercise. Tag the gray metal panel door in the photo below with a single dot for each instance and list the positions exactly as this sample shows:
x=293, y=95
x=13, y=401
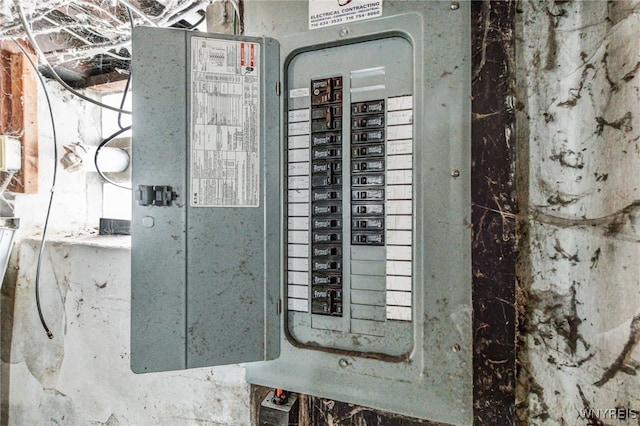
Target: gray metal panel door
x=204, y=271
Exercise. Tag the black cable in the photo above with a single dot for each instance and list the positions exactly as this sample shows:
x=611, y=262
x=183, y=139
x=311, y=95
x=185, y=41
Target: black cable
x=53, y=186
x=95, y=157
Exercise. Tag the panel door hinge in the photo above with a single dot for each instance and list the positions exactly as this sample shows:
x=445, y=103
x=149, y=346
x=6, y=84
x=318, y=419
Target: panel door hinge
x=278, y=89
x=279, y=306
x=155, y=195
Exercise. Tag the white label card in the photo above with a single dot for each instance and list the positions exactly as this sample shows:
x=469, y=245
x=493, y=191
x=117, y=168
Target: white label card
x=324, y=13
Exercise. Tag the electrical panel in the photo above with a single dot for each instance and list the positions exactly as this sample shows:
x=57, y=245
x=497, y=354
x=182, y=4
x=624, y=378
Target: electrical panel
x=307, y=212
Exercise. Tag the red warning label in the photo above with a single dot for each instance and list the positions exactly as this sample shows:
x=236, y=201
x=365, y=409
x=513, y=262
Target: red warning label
x=253, y=56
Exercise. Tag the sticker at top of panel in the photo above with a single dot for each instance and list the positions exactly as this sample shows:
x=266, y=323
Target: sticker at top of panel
x=325, y=13
x=225, y=123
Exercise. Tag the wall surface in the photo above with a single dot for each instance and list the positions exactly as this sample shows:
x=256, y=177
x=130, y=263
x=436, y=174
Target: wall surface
x=579, y=102
x=82, y=375
x=77, y=196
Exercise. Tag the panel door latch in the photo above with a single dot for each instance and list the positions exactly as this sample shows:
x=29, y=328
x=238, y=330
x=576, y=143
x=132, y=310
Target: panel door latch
x=155, y=195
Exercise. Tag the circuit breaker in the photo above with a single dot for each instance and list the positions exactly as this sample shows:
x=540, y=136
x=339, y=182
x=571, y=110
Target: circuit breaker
x=302, y=202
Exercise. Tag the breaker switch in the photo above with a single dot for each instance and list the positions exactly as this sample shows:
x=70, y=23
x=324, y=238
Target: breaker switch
x=322, y=153
x=371, y=209
x=327, y=90
x=328, y=250
x=367, y=165
x=327, y=223
x=368, y=194
x=368, y=150
x=367, y=107
x=326, y=237
x=326, y=139
x=367, y=238
x=367, y=179
x=368, y=223
x=368, y=136
x=367, y=122
x=326, y=194
x=328, y=209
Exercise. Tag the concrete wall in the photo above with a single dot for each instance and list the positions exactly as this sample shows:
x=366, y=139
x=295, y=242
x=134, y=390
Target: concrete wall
x=579, y=101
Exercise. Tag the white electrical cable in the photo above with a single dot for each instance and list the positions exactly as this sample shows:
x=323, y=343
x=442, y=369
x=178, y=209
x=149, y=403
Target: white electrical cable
x=234, y=3
x=30, y=36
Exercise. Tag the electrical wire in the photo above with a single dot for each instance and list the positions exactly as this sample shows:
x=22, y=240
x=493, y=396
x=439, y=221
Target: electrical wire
x=122, y=128
x=30, y=36
x=234, y=3
x=236, y=9
x=102, y=145
x=53, y=187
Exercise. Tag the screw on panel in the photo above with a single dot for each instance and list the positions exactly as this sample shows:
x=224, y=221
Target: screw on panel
x=343, y=363
x=455, y=173
x=148, y=222
x=455, y=5
x=344, y=31
x=455, y=348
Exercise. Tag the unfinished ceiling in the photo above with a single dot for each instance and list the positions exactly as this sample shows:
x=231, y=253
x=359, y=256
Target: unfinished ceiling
x=88, y=41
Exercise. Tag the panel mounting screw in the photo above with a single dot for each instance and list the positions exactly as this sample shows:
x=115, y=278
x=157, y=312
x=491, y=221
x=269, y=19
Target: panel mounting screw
x=343, y=363
x=455, y=348
x=147, y=222
x=344, y=31
x=455, y=5
x=455, y=173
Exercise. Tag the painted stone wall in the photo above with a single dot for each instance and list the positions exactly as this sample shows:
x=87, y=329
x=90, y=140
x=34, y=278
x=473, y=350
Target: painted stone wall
x=579, y=118
x=82, y=375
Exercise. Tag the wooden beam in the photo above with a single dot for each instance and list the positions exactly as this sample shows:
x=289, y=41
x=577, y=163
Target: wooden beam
x=19, y=112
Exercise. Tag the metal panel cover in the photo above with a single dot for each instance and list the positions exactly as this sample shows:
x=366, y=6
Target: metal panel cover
x=201, y=258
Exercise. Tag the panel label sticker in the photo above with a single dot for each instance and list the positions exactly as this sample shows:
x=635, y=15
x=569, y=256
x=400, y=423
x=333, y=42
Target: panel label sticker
x=324, y=13
x=225, y=123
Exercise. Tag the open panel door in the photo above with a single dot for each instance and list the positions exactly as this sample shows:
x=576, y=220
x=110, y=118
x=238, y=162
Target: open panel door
x=206, y=235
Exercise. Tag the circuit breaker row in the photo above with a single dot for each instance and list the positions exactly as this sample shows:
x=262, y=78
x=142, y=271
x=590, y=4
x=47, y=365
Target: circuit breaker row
x=367, y=173
x=326, y=196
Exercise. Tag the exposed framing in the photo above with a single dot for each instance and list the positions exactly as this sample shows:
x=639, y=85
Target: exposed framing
x=19, y=112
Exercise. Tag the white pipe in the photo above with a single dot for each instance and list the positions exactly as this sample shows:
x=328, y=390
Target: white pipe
x=79, y=156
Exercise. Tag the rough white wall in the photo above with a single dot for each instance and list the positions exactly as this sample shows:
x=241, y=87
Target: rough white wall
x=82, y=375
x=579, y=72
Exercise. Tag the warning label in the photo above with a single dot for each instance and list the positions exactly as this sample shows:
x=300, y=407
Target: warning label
x=225, y=115
x=324, y=13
